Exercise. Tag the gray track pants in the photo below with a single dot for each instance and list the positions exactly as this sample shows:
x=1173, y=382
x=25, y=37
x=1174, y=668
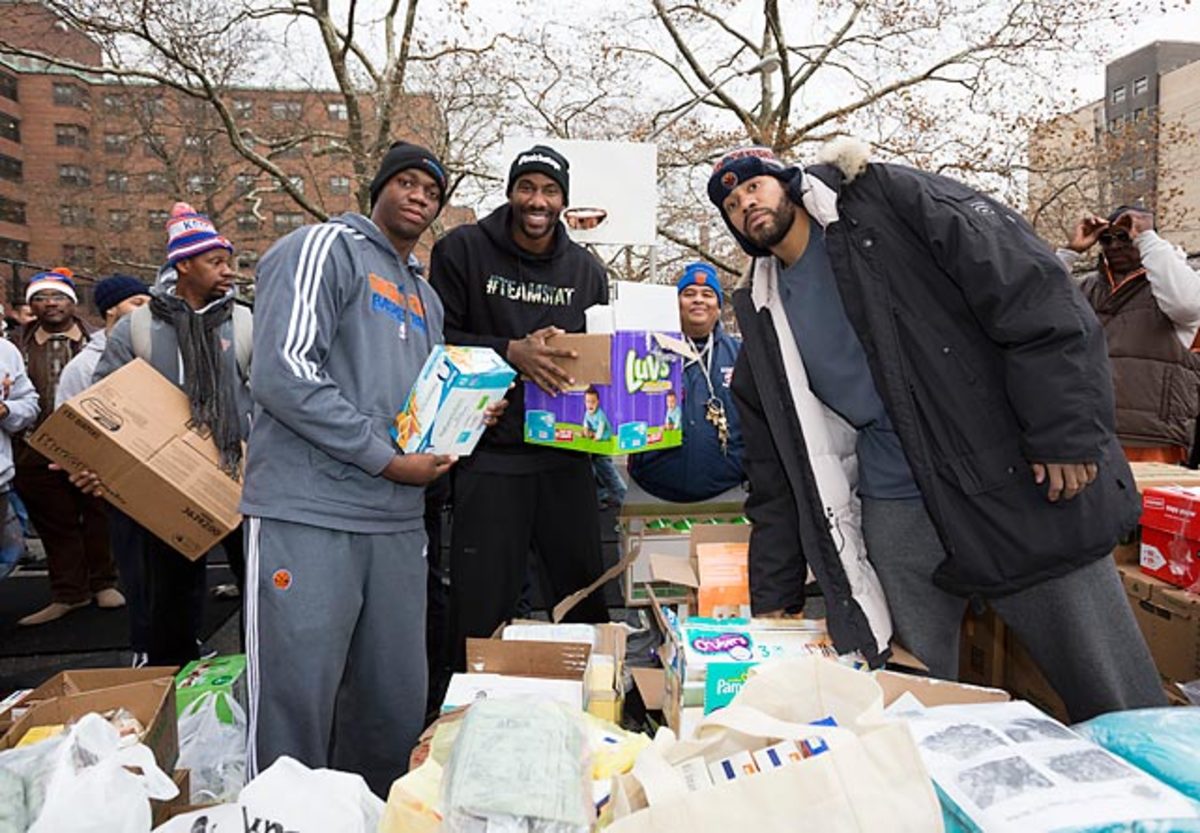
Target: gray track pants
x=1079, y=628
x=335, y=642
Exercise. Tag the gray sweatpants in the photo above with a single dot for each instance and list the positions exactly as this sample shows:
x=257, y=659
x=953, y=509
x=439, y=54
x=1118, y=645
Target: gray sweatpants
x=1078, y=628
x=335, y=643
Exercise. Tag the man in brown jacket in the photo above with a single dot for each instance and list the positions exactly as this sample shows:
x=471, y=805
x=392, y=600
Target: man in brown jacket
x=1148, y=300
x=72, y=525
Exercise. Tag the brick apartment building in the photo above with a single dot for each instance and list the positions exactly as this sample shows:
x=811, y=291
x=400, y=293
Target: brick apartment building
x=1139, y=145
x=90, y=167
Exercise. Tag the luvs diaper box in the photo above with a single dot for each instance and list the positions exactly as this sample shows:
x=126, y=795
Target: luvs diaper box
x=627, y=378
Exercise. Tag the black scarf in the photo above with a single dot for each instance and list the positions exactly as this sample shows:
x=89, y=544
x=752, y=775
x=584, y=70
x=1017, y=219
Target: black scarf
x=212, y=403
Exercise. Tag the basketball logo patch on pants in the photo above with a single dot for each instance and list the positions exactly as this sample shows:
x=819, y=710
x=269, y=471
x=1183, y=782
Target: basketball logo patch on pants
x=282, y=579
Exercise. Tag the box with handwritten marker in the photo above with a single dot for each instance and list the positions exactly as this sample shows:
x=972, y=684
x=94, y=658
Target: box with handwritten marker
x=444, y=412
x=626, y=372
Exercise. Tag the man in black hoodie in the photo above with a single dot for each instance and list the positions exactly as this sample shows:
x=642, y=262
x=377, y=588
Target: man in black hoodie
x=511, y=282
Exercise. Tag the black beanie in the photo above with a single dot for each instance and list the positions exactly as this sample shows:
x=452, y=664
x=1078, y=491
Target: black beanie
x=540, y=159
x=404, y=155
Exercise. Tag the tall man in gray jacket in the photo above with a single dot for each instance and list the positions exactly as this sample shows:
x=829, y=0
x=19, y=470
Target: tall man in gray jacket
x=335, y=579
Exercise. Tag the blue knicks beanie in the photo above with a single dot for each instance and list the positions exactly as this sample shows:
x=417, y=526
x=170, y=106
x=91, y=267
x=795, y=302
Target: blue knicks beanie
x=738, y=166
x=701, y=274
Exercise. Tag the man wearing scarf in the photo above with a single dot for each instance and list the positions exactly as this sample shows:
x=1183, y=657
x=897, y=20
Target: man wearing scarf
x=192, y=343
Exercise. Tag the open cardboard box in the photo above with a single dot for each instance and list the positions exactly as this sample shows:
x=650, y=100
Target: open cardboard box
x=151, y=701
x=1169, y=618
x=556, y=661
x=77, y=681
x=134, y=430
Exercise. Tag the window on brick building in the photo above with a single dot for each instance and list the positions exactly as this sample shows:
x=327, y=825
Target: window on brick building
x=120, y=219
x=246, y=221
x=297, y=183
x=116, y=143
x=115, y=104
x=8, y=86
x=1118, y=94
x=200, y=183
x=75, y=175
x=288, y=220
x=12, y=211
x=243, y=108
x=11, y=169
x=156, y=182
x=14, y=249
x=156, y=219
x=286, y=110
x=75, y=216
x=339, y=185
x=1140, y=85
x=116, y=181
x=67, y=94
x=154, y=144
x=10, y=127
x=244, y=183
x=76, y=255
x=71, y=135
x=338, y=111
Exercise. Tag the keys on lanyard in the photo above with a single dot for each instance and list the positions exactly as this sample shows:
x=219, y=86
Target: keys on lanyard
x=714, y=413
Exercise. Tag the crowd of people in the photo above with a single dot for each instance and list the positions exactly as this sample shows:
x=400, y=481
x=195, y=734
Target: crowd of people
x=929, y=413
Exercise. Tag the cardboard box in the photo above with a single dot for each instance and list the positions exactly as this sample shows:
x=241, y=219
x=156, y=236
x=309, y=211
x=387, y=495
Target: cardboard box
x=982, y=654
x=162, y=811
x=724, y=573
x=1025, y=681
x=1171, y=535
x=219, y=675
x=133, y=430
x=558, y=661
x=151, y=701
x=1149, y=475
x=78, y=681
x=1169, y=619
x=444, y=410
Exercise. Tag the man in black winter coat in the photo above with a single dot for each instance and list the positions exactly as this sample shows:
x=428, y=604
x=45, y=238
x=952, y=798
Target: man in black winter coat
x=511, y=282
x=928, y=418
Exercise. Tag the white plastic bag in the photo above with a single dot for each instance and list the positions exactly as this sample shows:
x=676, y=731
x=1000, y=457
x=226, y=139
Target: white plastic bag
x=289, y=796
x=24, y=774
x=91, y=789
x=214, y=752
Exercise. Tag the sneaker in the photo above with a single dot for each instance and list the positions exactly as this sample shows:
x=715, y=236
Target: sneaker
x=109, y=598
x=226, y=591
x=140, y=659
x=51, y=613
x=205, y=651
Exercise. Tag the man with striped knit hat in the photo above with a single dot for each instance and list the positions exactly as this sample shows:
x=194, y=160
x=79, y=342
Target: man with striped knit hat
x=193, y=333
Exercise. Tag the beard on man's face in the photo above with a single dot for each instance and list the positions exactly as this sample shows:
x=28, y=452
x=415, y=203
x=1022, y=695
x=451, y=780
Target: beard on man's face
x=768, y=234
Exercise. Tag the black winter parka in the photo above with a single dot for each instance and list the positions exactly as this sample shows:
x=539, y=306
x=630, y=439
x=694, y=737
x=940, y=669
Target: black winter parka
x=987, y=359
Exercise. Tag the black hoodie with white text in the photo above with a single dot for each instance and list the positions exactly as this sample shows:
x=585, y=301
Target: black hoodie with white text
x=495, y=292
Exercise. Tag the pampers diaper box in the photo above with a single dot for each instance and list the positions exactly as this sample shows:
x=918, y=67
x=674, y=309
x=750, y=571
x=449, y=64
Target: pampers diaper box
x=444, y=411
x=627, y=378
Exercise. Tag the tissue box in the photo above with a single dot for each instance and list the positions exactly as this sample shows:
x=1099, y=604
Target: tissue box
x=444, y=411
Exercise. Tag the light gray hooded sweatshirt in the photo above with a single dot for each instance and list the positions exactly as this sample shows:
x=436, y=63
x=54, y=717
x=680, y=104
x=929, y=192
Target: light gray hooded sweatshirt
x=342, y=329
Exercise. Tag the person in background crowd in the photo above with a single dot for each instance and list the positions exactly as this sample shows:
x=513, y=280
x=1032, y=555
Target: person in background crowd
x=1148, y=300
x=115, y=297
x=17, y=316
x=928, y=413
x=511, y=282
x=72, y=525
x=704, y=466
x=190, y=333
x=18, y=411
x=336, y=578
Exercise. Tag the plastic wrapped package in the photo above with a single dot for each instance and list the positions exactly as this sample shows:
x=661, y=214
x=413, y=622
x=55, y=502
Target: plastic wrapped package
x=518, y=766
x=1162, y=742
x=24, y=775
x=212, y=750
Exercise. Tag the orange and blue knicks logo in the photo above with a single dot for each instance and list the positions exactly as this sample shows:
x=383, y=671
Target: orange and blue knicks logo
x=281, y=579
x=388, y=298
